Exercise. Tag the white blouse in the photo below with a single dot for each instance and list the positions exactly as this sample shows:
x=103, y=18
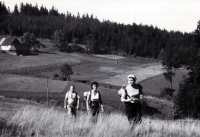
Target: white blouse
x=94, y=97
x=132, y=92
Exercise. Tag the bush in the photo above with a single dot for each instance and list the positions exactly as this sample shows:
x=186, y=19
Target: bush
x=63, y=78
x=66, y=71
x=55, y=76
x=167, y=93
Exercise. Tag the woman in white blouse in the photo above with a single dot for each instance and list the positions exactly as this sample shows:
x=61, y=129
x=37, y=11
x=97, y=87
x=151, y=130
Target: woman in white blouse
x=94, y=101
x=131, y=96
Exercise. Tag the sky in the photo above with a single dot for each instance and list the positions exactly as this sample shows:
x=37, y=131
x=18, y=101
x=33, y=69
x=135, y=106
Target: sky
x=171, y=15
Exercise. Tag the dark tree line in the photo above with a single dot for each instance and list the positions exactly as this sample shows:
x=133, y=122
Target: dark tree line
x=106, y=36
x=187, y=100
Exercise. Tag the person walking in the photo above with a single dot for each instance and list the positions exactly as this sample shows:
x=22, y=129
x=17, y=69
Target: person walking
x=131, y=95
x=71, y=101
x=94, y=101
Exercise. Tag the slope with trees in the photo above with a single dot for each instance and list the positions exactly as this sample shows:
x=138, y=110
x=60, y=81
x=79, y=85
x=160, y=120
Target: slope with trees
x=101, y=37
x=187, y=100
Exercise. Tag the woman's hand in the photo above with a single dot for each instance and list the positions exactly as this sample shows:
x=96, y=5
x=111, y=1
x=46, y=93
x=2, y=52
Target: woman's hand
x=128, y=100
x=102, y=110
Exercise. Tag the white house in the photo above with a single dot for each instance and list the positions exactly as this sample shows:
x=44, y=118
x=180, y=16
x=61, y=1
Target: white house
x=12, y=45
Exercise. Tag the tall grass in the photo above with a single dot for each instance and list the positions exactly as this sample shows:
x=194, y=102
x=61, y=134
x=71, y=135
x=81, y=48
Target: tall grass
x=51, y=122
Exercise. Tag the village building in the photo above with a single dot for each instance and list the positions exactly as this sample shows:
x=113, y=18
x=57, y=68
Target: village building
x=13, y=46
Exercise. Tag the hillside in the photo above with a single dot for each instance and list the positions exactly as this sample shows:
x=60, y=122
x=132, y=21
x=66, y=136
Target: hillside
x=23, y=79
x=24, y=82
x=101, y=37
x=33, y=120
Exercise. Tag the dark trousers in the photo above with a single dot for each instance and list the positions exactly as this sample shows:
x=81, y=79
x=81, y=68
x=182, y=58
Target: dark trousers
x=133, y=112
x=71, y=111
x=94, y=110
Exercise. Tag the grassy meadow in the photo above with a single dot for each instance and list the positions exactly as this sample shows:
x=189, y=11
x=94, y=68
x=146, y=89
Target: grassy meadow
x=51, y=122
x=23, y=96
x=154, y=85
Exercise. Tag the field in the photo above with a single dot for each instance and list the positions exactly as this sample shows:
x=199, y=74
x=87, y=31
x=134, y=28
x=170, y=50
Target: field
x=34, y=120
x=23, y=80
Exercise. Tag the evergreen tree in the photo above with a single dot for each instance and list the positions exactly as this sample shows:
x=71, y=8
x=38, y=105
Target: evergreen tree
x=16, y=11
x=53, y=12
x=43, y=11
x=187, y=101
x=3, y=18
x=171, y=62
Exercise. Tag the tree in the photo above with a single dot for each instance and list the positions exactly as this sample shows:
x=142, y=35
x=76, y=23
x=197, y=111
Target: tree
x=187, y=100
x=53, y=12
x=43, y=11
x=29, y=38
x=66, y=71
x=3, y=17
x=58, y=40
x=16, y=11
x=91, y=42
x=197, y=35
x=171, y=62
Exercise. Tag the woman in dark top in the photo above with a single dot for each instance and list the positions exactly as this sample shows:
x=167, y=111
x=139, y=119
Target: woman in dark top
x=94, y=101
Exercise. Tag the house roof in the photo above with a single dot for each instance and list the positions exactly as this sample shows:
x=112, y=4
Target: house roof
x=9, y=41
x=15, y=42
x=2, y=40
x=22, y=46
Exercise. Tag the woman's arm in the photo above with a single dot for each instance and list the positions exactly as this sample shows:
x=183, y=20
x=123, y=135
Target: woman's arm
x=100, y=102
x=124, y=96
x=87, y=101
x=77, y=102
x=65, y=100
x=140, y=91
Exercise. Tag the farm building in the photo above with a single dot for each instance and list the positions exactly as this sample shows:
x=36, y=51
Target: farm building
x=13, y=46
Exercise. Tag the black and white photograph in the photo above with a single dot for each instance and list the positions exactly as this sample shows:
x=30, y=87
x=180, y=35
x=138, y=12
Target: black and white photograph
x=99, y=68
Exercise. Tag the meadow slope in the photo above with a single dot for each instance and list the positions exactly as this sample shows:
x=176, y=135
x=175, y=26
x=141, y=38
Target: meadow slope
x=23, y=97
x=24, y=77
x=32, y=120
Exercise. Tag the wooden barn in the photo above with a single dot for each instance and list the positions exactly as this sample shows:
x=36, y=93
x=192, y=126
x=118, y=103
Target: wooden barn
x=13, y=46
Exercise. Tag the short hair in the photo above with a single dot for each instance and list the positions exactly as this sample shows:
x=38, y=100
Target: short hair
x=132, y=76
x=94, y=83
x=72, y=86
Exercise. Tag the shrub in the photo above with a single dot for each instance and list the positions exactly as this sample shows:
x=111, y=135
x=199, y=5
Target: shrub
x=63, y=78
x=66, y=71
x=166, y=93
x=55, y=76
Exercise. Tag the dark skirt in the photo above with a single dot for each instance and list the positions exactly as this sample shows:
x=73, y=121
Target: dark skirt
x=94, y=108
x=133, y=112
